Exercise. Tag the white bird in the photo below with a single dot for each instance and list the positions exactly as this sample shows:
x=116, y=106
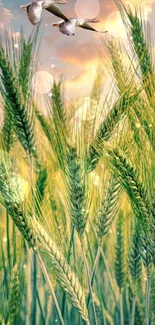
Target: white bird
x=68, y=26
x=34, y=9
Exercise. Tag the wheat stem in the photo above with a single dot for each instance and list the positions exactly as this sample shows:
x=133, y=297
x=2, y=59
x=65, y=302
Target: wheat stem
x=8, y=241
x=94, y=270
x=89, y=282
x=51, y=288
x=147, y=301
x=14, y=244
x=127, y=301
x=106, y=267
x=14, y=302
x=34, y=290
x=121, y=309
x=63, y=272
x=133, y=310
x=41, y=310
x=96, y=263
x=108, y=274
x=34, y=269
x=68, y=260
x=107, y=127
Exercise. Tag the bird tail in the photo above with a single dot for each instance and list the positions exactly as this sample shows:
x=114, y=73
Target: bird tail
x=93, y=20
x=23, y=7
x=61, y=2
x=57, y=24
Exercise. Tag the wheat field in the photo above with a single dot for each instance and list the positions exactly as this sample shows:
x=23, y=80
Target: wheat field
x=77, y=196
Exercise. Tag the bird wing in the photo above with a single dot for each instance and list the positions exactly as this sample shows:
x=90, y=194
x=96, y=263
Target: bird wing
x=56, y=11
x=89, y=27
x=34, y=13
x=92, y=20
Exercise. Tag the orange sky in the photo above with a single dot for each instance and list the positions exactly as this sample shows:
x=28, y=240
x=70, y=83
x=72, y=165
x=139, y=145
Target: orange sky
x=76, y=56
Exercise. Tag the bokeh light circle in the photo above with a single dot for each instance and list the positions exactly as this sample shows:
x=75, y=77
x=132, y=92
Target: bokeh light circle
x=115, y=26
x=42, y=82
x=87, y=9
x=86, y=109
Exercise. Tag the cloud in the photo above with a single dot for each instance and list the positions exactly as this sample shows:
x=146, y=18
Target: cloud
x=74, y=56
x=81, y=84
x=77, y=53
x=5, y=16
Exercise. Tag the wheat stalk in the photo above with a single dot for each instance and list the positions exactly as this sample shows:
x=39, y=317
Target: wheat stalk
x=135, y=266
x=137, y=112
x=41, y=184
x=109, y=206
x=14, y=298
x=63, y=273
x=134, y=27
x=10, y=199
x=22, y=119
x=120, y=264
x=107, y=127
x=142, y=51
x=147, y=259
x=117, y=161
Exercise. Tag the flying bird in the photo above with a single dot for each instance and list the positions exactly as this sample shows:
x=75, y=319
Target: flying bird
x=34, y=9
x=68, y=26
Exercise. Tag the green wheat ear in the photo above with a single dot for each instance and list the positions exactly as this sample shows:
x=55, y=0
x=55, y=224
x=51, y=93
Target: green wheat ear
x=107, y=127
x=45, y=126
x=134, y=26
x=152, y=230
x=139, y=314
x=117, y=161
x=147, y=251
x=60, y=125
x=135, y=262
x=109, y=207
x=40, y=241
x=15, y=296
x=25, y=67
x=17, y=109
x=152, y=313
x=41, y=184
x=27, y=61
x=64, y=275
x=7, y=133
x=137, y=112
x=11, y=200
x=77, y=192
x=123, y=80
x=58, y=104
x=141, y=48
x=120, y=262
